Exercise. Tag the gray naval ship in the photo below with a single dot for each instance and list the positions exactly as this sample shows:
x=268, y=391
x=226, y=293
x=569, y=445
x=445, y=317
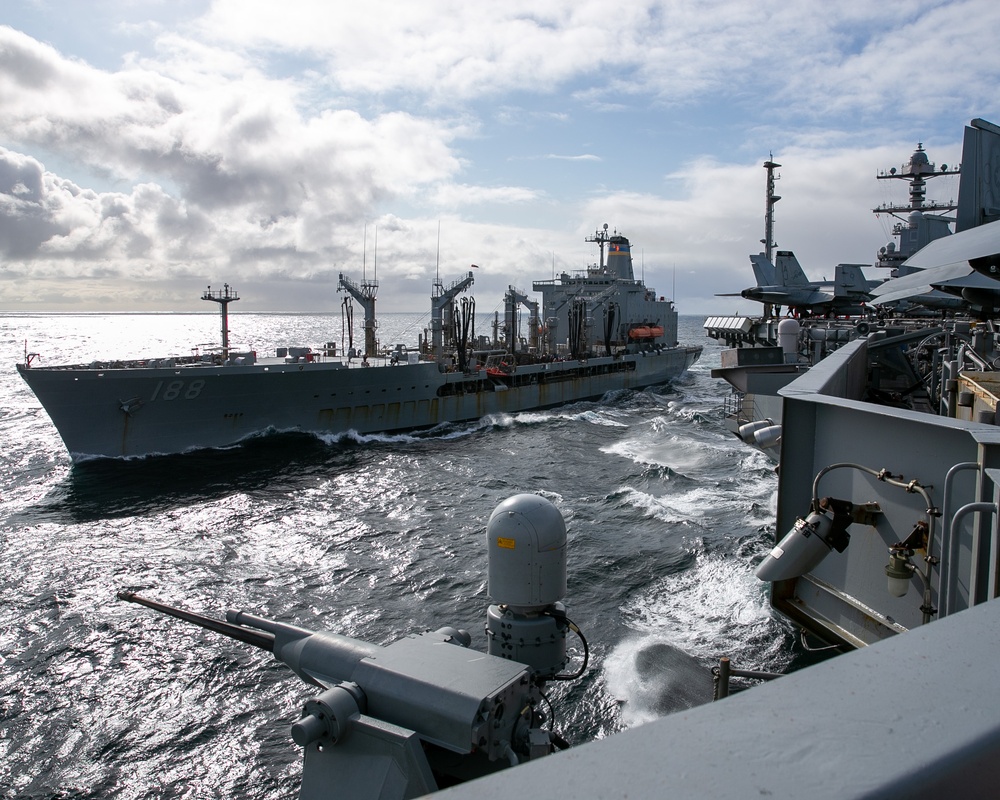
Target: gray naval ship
x=598, y=330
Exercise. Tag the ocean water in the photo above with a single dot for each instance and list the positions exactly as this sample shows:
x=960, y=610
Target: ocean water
x=374, y=537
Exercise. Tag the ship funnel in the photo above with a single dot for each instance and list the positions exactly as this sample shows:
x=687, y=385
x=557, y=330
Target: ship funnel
x=620, y=258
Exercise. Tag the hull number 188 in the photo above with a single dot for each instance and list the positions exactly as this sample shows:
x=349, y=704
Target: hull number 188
x=175, y=389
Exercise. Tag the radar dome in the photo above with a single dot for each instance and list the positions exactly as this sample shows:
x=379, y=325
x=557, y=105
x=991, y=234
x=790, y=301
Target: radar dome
x=918, y=164
x=527, y=552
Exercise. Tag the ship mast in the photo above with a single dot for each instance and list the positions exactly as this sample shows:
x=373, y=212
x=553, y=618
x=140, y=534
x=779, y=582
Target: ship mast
x=223, y=297
x=769, y=200
x=601, y=238
x=917, y=171
x=512, y=300
x=916, y=228
x=441, y=300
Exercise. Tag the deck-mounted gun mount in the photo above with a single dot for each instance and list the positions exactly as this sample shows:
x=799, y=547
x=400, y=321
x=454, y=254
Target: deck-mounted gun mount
x=424, y=712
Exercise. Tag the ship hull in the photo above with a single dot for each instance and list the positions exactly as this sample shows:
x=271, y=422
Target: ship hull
x=139, y=411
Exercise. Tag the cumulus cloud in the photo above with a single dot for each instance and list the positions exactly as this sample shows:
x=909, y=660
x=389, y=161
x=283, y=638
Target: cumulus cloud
x=259, y=141
x=804, y=52
x=223, y=140
x=250, y=179
x=447, y=49
x=62, y=228
x=25, y=221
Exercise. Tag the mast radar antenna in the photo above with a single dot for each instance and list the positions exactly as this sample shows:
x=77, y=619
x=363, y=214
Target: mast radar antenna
x=223, y=297
x=916, y=172
x=769, y=200
x=438, y=287
x=600, y=238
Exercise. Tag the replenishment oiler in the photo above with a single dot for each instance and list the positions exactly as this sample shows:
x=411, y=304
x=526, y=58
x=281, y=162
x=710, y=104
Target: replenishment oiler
x=597, y=331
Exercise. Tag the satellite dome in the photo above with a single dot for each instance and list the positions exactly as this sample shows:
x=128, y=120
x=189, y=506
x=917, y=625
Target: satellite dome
x=526, y=540
x=918, y=163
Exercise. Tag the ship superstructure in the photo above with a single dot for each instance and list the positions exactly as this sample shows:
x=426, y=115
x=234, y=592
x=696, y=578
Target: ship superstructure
x=918, y=221
x=605, y=308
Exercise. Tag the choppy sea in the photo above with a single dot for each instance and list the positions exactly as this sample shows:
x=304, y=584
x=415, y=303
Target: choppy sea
x=374, y=537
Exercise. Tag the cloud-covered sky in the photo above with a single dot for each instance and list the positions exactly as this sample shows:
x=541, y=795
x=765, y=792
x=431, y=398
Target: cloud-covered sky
x=148, y=149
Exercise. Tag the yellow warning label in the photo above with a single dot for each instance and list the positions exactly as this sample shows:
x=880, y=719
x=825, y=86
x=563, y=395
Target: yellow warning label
x=507, y=544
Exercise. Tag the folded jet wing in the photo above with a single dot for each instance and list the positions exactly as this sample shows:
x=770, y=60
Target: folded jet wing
x=912, y=286
x=944, y=260
x=974, y=288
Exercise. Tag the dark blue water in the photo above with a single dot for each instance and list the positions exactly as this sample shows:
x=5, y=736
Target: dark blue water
x=374, y=537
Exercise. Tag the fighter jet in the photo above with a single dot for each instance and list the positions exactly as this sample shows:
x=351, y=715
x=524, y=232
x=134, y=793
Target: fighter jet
x=785, y=284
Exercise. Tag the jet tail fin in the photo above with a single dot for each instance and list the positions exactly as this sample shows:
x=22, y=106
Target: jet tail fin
x=763, y=270
x=788, y=271
x=849, y=280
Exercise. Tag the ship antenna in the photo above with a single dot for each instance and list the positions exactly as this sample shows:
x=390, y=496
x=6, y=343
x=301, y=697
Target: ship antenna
x=224, y=297
x=375, y=256
x=600, y=238
x=770, y=199
x=437, y=258
x=364, y=255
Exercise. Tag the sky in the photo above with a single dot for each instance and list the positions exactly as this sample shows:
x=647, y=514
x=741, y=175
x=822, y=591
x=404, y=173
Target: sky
x=149, y=149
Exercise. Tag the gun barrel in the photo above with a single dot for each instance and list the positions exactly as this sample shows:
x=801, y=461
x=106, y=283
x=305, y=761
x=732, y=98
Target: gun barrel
x=265, y=641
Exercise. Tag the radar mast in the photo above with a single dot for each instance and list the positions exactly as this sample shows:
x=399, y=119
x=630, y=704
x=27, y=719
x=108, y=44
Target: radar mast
x=223, y=297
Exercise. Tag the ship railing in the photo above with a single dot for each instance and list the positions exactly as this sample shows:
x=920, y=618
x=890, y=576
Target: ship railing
x=732, y=407
x=724, y=672
x=593, y=273
x=132, y=363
